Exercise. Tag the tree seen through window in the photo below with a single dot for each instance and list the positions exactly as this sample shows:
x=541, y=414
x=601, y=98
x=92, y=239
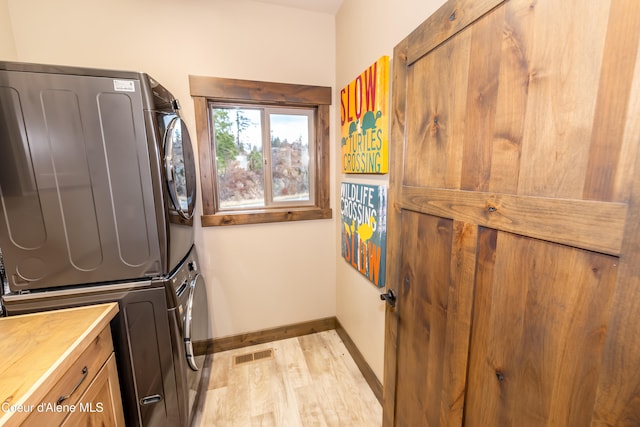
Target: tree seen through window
x=254, y=171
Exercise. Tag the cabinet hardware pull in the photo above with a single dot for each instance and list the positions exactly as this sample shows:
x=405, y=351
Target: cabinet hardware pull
x=150, y=399
x=84, y=375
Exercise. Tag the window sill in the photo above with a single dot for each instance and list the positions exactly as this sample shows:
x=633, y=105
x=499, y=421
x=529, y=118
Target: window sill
x=265, y=216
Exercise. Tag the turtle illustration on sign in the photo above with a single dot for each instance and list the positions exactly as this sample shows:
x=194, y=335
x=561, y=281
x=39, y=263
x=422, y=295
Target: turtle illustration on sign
x=369, y=120
x=353, y=127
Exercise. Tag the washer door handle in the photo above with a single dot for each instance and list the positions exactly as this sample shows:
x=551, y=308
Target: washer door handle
x=188, y=318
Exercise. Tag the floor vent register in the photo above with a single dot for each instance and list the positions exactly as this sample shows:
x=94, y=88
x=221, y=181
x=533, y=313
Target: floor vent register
x=243, y=359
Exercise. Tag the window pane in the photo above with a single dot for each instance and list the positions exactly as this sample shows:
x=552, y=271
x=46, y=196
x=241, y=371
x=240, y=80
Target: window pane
x=289, y=157
x=239, y=162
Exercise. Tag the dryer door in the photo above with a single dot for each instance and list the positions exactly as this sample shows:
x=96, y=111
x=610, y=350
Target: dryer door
x=180, y=168
x=196, y=321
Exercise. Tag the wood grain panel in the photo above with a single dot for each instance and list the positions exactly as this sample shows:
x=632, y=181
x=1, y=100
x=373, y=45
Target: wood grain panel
x=483, y=298
x=460, y=305
x=607, y=138
x=422, y=329
x=486, y=50
x=436, y=123
x=564, y=71
x=618, y=398
x=450, y=18
x=541, y=332
x=585, y=224
x=624, y=176
x=513, y=89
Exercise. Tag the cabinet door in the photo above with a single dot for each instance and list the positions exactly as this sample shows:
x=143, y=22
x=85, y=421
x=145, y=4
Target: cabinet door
x=101, y=404
x=514, y=229
x=73, y=383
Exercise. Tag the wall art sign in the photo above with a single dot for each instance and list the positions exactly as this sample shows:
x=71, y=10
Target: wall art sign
x=364, y=229
x=364, y=120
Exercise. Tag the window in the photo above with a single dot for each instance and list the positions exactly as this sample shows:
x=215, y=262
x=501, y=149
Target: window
x=263, y=156
x=264, y=150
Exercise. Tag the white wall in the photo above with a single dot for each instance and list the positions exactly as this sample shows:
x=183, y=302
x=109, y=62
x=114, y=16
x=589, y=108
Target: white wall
x=259, y=276
x=365, y=31
x=7, y=46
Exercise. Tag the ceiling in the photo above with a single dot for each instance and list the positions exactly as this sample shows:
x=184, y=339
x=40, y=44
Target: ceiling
x=323, y=6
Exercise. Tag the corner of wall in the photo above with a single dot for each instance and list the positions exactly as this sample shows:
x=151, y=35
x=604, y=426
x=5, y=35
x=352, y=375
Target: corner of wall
x=358, y=44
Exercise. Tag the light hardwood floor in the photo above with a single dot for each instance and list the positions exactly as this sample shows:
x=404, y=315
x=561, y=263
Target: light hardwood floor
x=310, y=381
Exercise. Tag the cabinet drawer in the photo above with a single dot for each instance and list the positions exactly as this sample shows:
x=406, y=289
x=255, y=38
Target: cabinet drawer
x=73, y=383
x=101, y=404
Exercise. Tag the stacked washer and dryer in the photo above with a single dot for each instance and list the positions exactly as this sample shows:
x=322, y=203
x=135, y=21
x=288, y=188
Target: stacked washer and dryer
x=97, y=192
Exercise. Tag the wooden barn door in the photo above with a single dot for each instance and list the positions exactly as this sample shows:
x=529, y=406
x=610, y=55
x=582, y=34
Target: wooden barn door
x=514, y=232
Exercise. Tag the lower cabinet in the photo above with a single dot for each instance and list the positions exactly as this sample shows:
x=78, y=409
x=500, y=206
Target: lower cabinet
x=100, y=405
x=88, y=394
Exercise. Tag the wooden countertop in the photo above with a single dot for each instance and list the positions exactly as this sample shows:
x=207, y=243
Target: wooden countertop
x=37, y=349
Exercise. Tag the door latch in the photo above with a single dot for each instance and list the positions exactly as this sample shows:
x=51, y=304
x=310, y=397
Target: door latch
x=389, y=297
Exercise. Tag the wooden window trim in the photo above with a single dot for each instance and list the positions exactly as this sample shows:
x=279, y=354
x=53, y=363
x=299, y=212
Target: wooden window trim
x=207, y=89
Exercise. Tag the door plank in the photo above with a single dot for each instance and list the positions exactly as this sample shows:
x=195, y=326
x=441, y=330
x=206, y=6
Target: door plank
x=624, y=176
x=623, y=35
x=586, y=224
x=512, y=96
x=484, y=273
x=536, y=358
x=461, y=289
x=618, y=398
x=564, y=71
x=486, y=50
